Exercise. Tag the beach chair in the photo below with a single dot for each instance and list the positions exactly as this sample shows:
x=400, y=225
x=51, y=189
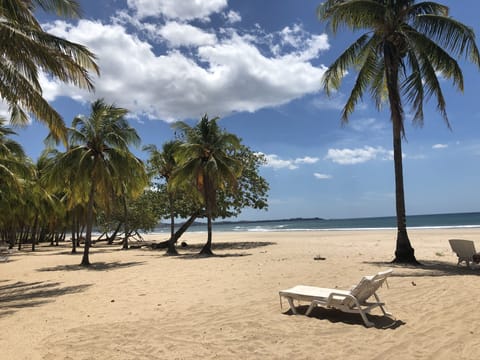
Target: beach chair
x=349, y=301
x=465, y=249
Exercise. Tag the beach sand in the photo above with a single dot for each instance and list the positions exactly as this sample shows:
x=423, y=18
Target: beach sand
x=140, y=304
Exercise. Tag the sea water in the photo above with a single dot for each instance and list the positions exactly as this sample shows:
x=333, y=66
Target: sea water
x=433, y=221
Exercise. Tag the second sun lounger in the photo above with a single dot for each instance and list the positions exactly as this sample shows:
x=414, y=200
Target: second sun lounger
x=465, y=249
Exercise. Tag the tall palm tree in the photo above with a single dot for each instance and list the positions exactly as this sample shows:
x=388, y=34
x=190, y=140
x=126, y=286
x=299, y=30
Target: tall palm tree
x=205, y=160
x=26, y=49
x=408, y=45
x=98, y=164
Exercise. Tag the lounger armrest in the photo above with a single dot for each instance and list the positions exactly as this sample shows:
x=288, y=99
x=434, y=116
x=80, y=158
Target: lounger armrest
x=338, y=297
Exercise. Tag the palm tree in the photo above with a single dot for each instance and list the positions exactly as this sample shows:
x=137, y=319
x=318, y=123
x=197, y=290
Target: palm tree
x=407, y=47
x=14, y=165
x=163, y=164
x=98, y=164
x=15, y=170
x=26, y=49
x=205, y=161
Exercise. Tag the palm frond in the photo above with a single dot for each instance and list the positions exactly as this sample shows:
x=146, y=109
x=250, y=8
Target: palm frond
x=333, y=76
x=449, y=34
x=354, y=14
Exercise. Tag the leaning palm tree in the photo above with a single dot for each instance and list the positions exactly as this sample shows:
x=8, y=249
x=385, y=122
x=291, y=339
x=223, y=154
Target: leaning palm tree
x=162, y=164
x=26, y=49
x=408, y=46
x=205, y=161
x=98, y=164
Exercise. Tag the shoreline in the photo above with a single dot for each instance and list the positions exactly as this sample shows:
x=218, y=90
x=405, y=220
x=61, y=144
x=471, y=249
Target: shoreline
x=141, y=304
x=215, y=230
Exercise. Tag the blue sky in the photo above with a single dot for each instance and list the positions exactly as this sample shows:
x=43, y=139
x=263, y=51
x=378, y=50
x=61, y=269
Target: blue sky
x=258, y=65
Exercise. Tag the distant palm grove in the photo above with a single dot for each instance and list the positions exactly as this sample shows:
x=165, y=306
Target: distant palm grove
x=89, y=178
x=98, y=182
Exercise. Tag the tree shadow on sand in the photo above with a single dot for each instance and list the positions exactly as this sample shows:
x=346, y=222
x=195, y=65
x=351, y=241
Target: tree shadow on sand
x=192, y=251
x=97, y=266
x=22, y=295
x=337, y=316
x=431, y=268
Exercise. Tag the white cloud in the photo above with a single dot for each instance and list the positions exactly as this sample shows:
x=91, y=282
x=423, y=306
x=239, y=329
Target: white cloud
x=440, y=146
x=178, y=34
x=176, y=9
x=275, y=162
x=306, y=160
x=357, y=156
x=222, y=76
x=367, y=124
x=322, y=176
x=233, y=17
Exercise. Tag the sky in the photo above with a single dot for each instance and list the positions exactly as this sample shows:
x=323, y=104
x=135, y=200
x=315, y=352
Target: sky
x=258, y=64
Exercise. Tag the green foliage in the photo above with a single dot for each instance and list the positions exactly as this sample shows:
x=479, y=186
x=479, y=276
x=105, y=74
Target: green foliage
x=142, y=214
x=26, y=49
x=98, y=166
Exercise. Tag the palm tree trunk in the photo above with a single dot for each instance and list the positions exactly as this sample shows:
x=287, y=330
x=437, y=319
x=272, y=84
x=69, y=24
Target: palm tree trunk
x=171, y=250
x=172, y=215
x=34, y=232
x=207, y=248
x=112, y=237
x=88, y=234
x=208, y=193
x=74, y=237
x=404, y=252
x=125, y=214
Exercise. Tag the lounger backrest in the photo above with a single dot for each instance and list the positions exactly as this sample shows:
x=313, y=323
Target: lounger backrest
x=369, y=285
x=463, y=248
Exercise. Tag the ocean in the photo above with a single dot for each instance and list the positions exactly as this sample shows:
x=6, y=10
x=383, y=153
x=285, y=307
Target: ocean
x=434, y=221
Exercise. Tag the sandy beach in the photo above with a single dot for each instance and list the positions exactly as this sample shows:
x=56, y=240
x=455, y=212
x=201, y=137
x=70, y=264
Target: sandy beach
x=140, y=304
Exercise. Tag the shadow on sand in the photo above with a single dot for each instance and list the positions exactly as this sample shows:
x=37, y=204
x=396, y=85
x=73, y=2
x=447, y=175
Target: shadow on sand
x=337, y=316
x=428, y=268
x=97, y=266
x=192, y=251
x=22, y=295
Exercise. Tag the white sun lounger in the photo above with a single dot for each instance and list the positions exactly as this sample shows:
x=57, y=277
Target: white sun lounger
x=350, y=301
x=465, y=249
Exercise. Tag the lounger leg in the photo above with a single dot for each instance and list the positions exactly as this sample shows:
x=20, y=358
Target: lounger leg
x=386, y=313
x=365, y=320
x=313, y=304
x=292, y=306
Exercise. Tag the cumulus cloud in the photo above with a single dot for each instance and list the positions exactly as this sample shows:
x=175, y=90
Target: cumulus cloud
x=218, y=76
x=322, y=176
x=357, y=156
x=440, y=146
x=178, y=34
x=176, y=9
x=273, y=161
